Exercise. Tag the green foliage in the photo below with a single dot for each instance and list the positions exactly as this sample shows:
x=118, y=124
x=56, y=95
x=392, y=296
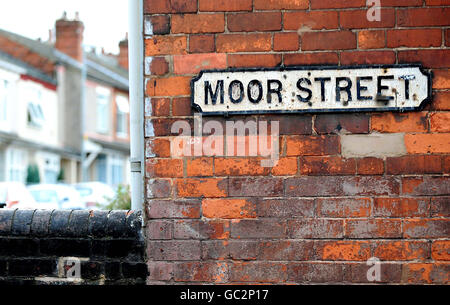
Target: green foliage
x=33, y=174
x=61, y=175
x=122, y=199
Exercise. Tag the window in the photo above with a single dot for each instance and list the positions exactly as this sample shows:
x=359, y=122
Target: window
x=4, y=97
x=51, y=168
x=123, y=108
x=35, y=115
x=16, y=165
x=101, y=169
x=102, y=110
x=116, y=170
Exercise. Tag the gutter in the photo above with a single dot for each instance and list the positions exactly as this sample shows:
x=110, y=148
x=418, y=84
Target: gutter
x=136, y=79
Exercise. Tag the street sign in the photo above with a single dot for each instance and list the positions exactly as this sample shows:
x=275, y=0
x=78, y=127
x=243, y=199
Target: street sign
x=311, y=89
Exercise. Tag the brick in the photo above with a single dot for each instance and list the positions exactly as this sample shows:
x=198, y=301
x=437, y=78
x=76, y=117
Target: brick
x=285, y=167
x=373, y=228
x=215, y=249
x=400, y=122
x=254, y=60
x=286, y=207
x=343, y=250
x=441, y=80
x=370, y=166
x=368, y=39
x=215, y=272
x=169, y=6
x=426, y=228
x=198, y=23
x=437, y=2
x=397, y=3
x=290, y=124
x=357, y=19
x=160, y=24
x=338, y=123
x=254, y=22
x=173, y=250
x=281, y=4
x=173, y=208
x=440, y=250
x=160, y=271
x=414, y=165
x=334, y=186
x=316, y=228
x=428, y=273
x=246, y=250
x=202, y=43
x=318, y=165
x=401, y=207
x=225, y=5
x=429, y=58
x=320, y=4
x=228, y=208
x=368, y=58
x=314, y=20
x=414, y=38
x=160, y=106
x=159, y=229
x=440, y=122
x=256, y=186
x=298, y=59
x=286, y=42
x=239, y=167
x=441, y=100
x=286, y=250
x=342, y=40
x=194, y=63
x=416, y=17
x=258, y=228
x=157, y=188
x=165, y=45
x=197, y=187
x=231, y=43
x=266, y=272
x=199, y=167
x=343, y=207
x=170, y=86
x=315, y=272
x=201, y=229
x=427, y=143
x=181, y=106
x=357, y=273
x=401, y=250
x=312, y=145
x=426, y=185
x=447, y=37
x=160, y=127
x=440, y=207
x=164, y=168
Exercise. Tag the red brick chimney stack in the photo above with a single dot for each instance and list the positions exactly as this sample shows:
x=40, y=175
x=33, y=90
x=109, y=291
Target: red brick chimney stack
x=123, y=53
x=69, y=36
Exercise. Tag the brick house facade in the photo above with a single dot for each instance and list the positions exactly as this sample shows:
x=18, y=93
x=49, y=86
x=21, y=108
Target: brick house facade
x=347, y=187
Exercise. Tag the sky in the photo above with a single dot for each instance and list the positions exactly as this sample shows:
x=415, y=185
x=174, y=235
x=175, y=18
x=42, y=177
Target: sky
x=105, y=21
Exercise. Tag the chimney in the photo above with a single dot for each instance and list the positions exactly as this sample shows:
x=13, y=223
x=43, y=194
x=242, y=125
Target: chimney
x=69, y=36
x=123, y=53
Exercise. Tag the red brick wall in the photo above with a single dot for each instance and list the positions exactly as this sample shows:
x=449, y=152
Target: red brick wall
x=323, y=210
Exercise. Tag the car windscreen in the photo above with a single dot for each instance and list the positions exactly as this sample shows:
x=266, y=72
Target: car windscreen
x=44, y=195
x=84, y=191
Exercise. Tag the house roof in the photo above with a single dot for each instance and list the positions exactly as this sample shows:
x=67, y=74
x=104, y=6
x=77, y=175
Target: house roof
x=99, y=67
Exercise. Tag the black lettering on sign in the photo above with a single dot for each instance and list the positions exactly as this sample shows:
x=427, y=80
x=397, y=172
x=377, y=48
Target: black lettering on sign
x=307, y=90
x=209, y=92
x=276, y=91
x=322, y=81
x=360, y=88
x=234, y=86
x=346, y=88
x=255, y=83
x=380, y=86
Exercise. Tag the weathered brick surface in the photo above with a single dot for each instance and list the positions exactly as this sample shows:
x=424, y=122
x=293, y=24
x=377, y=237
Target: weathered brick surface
x=317, y=215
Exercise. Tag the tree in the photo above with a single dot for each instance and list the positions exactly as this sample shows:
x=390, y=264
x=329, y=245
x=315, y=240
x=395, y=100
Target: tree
x=33, y=174
x=122, y=199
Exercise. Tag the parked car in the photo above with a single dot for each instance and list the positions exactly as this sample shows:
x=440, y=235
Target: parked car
x=57, y=196
x=95, y=194
x=16, y=195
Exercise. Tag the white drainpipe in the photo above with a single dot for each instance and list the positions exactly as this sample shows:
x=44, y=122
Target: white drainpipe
x=136, y=78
